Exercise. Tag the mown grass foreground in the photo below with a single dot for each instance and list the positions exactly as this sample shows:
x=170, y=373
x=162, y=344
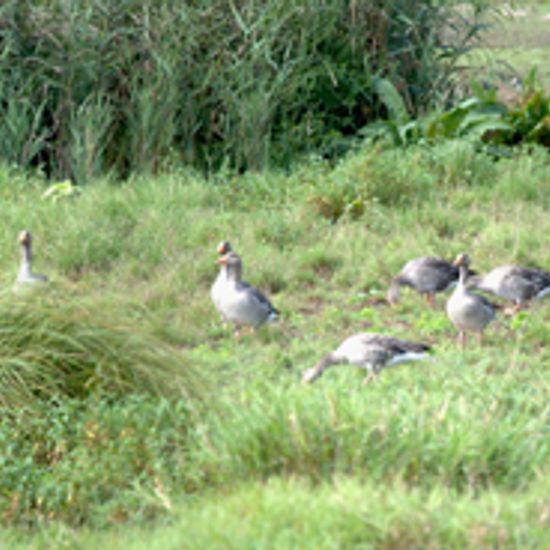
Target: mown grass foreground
x=450, y=453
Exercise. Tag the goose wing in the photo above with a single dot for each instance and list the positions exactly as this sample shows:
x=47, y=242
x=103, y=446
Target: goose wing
x=258, y=296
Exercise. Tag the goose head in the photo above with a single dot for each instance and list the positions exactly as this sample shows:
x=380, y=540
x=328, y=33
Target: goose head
x=462, y=260
x=25, y=238
x=224, y=248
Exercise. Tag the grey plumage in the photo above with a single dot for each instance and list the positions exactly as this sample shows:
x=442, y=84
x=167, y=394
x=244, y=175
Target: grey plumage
x=239, y=302
x=370, y=351
x=515, y=284
x=468, y=311
x=25, y=275
x=425, y=274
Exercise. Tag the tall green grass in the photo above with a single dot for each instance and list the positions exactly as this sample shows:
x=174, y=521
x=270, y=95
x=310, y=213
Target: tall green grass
x=54, y=346
x=93, y=88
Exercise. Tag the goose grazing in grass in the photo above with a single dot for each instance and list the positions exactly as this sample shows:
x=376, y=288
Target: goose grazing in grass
x=469, y=312
x=515, y=284
x=427, y=275
x=239, y=302
x=370, y=351
x=217, y=289
x=25, y=275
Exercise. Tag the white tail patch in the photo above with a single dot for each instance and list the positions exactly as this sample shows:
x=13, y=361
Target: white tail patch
x=409, y=356
x=273, y=317
x=543, y=293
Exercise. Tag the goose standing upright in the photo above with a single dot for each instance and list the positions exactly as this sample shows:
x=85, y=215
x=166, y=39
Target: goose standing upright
x=515, y=284
x=466, y=310
x=217, y=289
x=25, y=275
x=239, y=302
x=370, y=351
x=427, y=275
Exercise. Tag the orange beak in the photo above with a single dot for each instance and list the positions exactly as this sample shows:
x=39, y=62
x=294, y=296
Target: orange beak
x=222, y=248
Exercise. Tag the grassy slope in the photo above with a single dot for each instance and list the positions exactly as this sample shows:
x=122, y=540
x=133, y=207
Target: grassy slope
x=456, y=449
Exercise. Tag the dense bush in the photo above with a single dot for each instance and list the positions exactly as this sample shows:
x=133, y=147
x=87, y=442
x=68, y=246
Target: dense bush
x=92, y=87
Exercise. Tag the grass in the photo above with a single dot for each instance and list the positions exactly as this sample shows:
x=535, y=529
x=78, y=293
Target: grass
x=516, y=41
x=448, y=453
x=342, y=514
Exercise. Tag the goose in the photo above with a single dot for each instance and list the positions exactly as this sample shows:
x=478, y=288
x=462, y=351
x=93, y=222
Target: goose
x=427, y=275
x=370, y=351
x=25, y=275
x=515, y=284
x=466, y=310
x=241, y=303
x=217, y=289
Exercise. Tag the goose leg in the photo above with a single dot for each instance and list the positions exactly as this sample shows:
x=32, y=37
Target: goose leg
x=430, y=298
x=462, y=338
x=511, y=311
x=237, y=332
x=480, y=338
x=370, y=377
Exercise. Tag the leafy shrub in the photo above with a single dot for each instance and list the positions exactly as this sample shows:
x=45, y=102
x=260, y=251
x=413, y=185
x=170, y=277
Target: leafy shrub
x=481, y=119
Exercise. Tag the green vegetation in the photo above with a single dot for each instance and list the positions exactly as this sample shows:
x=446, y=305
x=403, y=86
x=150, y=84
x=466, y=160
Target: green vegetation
x=129, y=416
x=452, y=452
x=483, y=119
x=91, y=88
x=515, y=40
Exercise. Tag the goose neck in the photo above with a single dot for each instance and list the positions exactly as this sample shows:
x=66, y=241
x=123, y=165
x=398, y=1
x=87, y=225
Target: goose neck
x=233, y=272
x=26, y=254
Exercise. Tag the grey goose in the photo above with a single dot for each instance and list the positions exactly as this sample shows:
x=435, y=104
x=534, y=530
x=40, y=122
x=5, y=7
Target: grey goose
x=370, y=351
x=515, y=284
x=25, y=275
x=469, y=312
x=240, y=303
x=427, y=275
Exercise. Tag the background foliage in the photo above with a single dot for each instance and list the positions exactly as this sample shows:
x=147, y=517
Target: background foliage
x=89, y=88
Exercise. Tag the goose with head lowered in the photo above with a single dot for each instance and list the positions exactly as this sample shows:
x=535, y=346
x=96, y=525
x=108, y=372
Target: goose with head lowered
x=427, y=275
x=370, y=351
x=25, y=275
x=240, y=303
x=519, y=285
x=469, y=312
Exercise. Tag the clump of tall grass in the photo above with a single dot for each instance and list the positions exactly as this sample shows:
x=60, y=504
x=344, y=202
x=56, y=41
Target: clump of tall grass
x=56, y=347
